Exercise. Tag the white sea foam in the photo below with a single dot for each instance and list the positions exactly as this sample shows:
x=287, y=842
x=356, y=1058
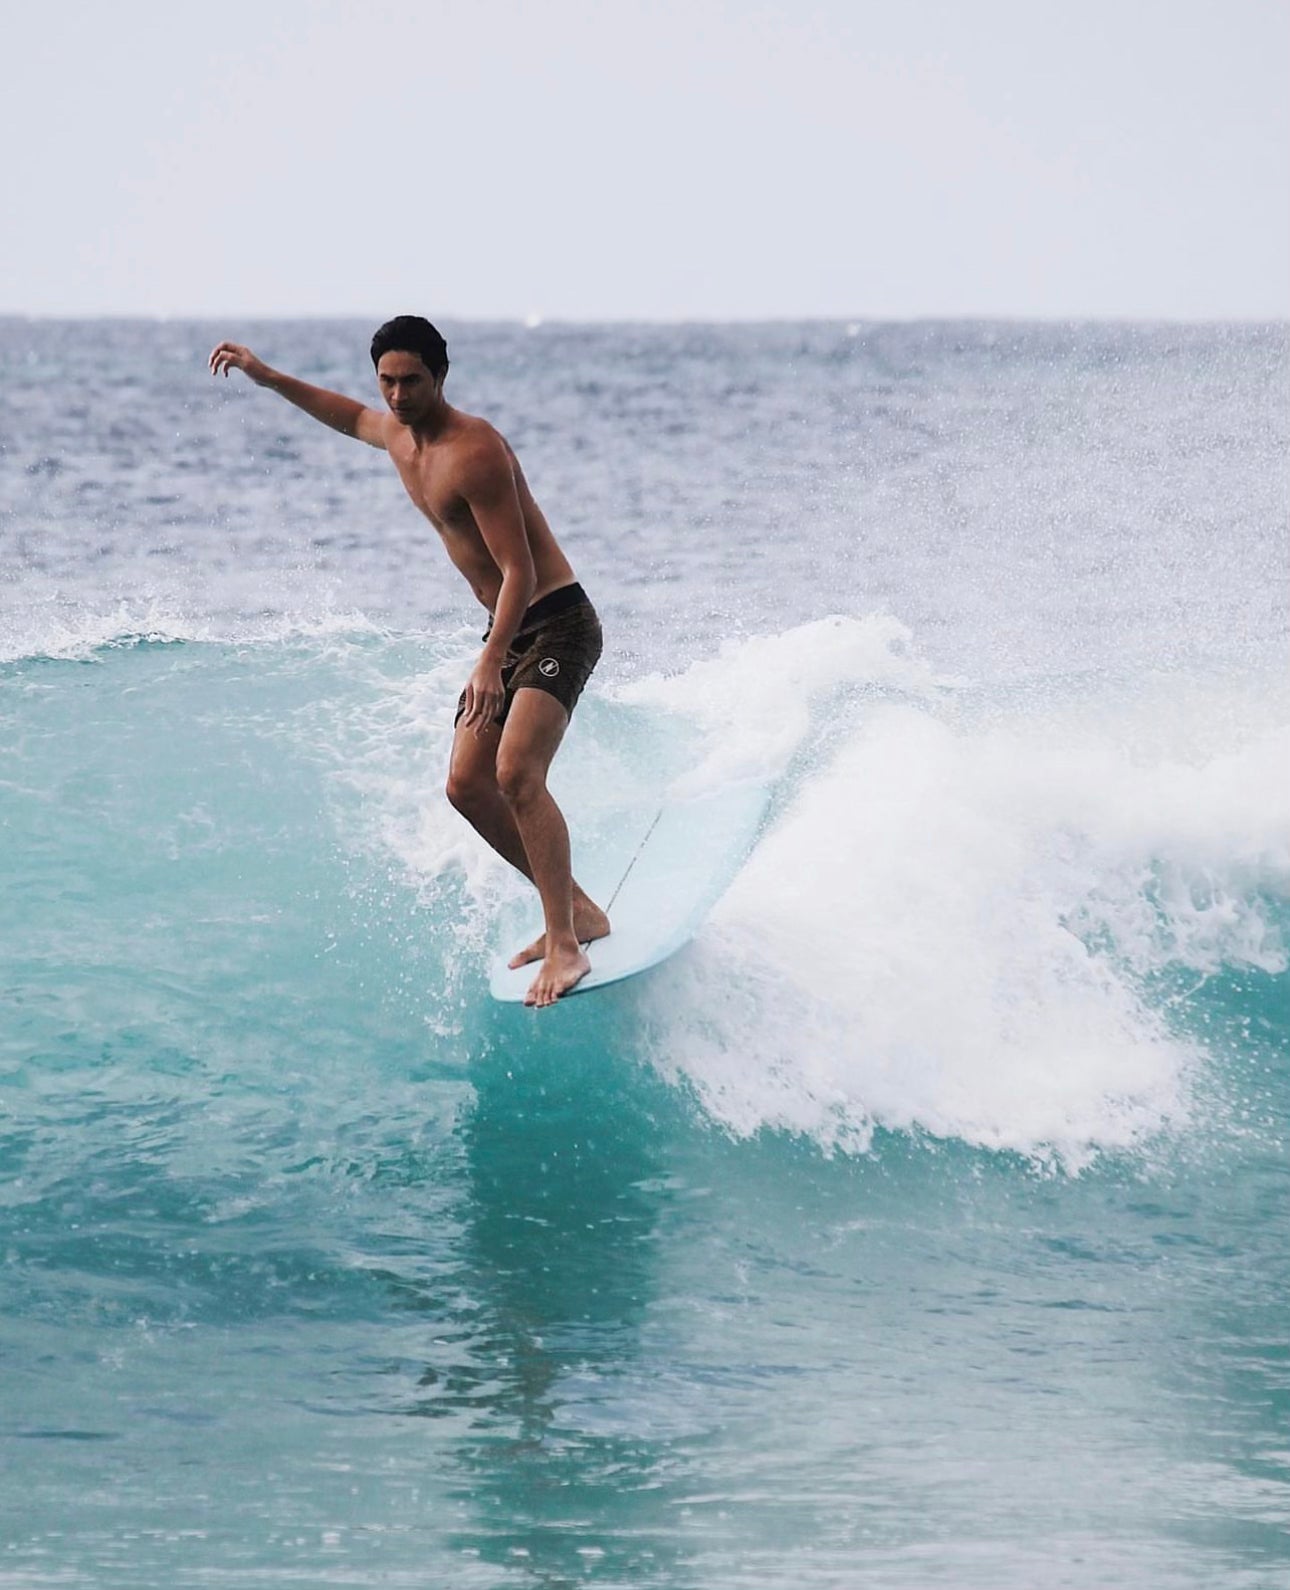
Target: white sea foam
x=947, y=928
x=70, y=631
x=752, y=702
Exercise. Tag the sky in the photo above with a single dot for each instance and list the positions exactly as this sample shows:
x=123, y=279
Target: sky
x=647, y=159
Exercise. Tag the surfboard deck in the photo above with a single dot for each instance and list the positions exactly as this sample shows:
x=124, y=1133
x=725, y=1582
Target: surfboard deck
x=668, y=866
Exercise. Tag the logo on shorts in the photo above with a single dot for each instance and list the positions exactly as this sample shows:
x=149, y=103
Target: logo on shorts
x=549, y=667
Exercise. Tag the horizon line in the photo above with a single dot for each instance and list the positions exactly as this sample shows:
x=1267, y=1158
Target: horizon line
x=536, y=322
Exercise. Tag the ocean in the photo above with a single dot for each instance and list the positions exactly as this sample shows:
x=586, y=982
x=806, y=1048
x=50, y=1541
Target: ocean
x=924, y=1223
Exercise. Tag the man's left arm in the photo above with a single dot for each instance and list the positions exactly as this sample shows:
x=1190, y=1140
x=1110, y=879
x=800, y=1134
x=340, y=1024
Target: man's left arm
x=488, y=486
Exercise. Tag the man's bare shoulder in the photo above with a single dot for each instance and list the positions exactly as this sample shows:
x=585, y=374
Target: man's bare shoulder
x=478, y=449
x=375, y=428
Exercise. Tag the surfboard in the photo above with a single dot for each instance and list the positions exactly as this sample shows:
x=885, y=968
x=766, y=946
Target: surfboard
x=668, y=867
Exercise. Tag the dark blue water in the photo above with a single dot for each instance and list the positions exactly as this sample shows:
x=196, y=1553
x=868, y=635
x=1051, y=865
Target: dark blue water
x=924, y=1223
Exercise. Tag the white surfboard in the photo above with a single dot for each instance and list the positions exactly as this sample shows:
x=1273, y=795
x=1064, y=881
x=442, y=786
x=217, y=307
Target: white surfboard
x=668, y=867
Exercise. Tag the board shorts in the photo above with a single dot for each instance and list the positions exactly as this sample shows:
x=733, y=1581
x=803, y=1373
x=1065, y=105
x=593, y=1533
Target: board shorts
x=555, y=649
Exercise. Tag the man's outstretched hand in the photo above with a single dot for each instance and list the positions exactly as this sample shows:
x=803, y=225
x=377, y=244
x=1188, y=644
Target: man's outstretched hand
x=233, y=356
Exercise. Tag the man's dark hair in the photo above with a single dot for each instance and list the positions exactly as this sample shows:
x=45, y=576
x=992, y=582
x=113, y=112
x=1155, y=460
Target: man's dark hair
x=412, y=334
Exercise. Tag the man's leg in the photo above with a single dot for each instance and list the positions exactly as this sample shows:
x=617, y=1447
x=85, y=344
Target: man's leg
x=530, y=738
x=473, y=790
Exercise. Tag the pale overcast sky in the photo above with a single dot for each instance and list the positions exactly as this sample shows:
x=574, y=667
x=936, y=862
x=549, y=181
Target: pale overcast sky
x=643, y=159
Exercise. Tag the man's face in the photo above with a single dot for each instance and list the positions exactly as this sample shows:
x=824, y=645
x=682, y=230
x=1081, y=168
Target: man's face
x=407, y=386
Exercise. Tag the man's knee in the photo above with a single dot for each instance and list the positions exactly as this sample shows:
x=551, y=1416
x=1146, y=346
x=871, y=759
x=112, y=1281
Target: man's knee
x=519, y=779
x=468, y=791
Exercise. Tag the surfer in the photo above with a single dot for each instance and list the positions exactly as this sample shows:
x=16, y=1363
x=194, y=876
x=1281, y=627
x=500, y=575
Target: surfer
x=543, y=637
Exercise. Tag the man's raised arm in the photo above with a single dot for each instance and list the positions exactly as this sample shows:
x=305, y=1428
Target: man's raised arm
x=343, y=414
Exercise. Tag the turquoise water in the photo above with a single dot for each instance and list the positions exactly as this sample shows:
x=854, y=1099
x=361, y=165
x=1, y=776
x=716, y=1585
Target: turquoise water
x=924, y=1223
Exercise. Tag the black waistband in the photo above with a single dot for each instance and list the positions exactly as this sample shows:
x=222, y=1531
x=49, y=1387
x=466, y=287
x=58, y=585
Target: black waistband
x=551, y=606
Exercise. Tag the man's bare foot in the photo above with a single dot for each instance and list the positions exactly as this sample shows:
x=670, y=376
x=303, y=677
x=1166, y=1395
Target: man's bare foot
x=561, y=971
x=589, y=923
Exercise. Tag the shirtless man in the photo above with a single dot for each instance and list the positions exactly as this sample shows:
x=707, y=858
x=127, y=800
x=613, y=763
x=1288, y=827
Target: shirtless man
x=543, y=637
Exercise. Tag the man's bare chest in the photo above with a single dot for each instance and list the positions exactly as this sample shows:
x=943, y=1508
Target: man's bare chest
x=430, y=484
